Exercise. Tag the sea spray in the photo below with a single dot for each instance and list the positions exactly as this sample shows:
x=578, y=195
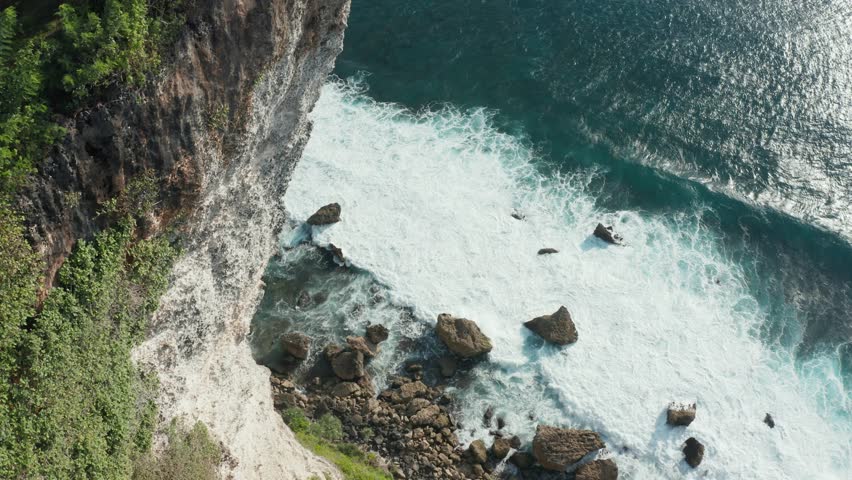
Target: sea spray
x=427, y=201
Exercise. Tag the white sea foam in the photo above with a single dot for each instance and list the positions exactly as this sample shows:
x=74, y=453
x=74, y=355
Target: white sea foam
x=426, y=204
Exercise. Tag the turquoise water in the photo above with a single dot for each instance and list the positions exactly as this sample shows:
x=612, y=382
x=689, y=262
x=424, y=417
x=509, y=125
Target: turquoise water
x=741, y=110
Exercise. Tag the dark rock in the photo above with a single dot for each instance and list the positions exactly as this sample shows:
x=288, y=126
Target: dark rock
x=344, y=389
x=500, y=448
x=359, y=344
x=518, y=216
x=320, y=298
x=337, y=252
x=296, y=344
x=680, y=414
x=377, y=333
x=330, y=351
x=448, y=366
x=326, y=215
x=303, y=300
x=462, y=336
x=501, y=422
x=557, y=328
x=693, y=451
x=476, y=452
x=605, y=234
x=515, y=442
x=597, y=470
x=557, y=448
x=547, y=251
x=488, y=416
x=522, y=460
x=348, y=365
x=414, y=368
x=769, y=420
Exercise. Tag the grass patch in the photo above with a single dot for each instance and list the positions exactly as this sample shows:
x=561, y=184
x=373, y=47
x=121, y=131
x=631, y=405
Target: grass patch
x=323, y=437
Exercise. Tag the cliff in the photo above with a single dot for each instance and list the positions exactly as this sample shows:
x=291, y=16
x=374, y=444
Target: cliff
x=221, y=130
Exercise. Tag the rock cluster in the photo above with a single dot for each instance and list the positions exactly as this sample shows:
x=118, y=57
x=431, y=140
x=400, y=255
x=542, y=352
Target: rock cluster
x=462, y=336
x=557, y=328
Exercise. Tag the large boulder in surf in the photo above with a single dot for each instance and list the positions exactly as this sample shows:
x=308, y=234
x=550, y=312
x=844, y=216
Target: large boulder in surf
x=606, y=234
x=326, y=215
x=476, y=452
x=547, y=251
x=377, y=333
x=558, y=448
x=348, y=365
x=769, y=421
x=597, y=470
x=680, y=414
x=557, y=328
x=296, y=344
x=462, y=336
x=501, y=448
x=693, y=452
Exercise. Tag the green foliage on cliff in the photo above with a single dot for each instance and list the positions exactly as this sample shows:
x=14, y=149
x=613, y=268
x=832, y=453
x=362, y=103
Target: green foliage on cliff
x=190, y=455
x=324, y=438
x=75, y=405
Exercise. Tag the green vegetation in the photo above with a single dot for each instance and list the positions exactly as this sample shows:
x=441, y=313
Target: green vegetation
x=191, y=455
x=76, y=407
x=324, y=438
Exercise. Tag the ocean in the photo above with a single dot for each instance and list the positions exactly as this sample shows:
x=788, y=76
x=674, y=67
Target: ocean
x=716, y=137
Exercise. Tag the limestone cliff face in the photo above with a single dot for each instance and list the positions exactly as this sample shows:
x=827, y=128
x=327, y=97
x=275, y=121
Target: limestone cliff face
x=222, y=129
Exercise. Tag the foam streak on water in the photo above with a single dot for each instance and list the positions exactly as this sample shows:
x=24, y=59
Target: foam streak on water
x=426, y=208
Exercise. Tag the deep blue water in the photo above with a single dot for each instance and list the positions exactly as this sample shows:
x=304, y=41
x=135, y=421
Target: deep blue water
x=741, y=106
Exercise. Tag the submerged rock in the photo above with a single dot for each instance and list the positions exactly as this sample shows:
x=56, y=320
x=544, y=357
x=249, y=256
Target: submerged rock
x=606, y=234
x=558, y=448
x=377, y=333
x=557, y=328
x=768, y=420
x=303, y=300
x=547, y=251
x=488, y=416
x=448, y=366
x=296, y=344
x=326, y=215
x=693, y=451
x=462, y=336
x=597, y=470
x=500, y=448
x=680, y=414
x=476, y=452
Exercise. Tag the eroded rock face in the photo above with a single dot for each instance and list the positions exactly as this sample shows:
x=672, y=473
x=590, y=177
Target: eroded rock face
x=693, y=452
x=557, y=328
x=598, y=470
x=680, y=414
x=326, y=215
x=462, y=336
x=558, y=448
x=296, y=344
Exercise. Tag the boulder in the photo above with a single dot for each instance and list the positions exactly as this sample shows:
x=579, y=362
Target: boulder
x=768, y=420
x=476, y=452
x=547, y=251
x=417, y=404
x=377, y=333
x=448, y=366
x=518, y=216
x=680, y=414
x=606, y=234
x=693, y=452
x=426, y=416
x=344, y=389
x=337, y=252
x=558, y=448
x=359, y=344
x=515, y=442
x=557, y=328
x=597, y=470
x=331, y=351
x=500, y=448
x=488, y=416
x=296, y=344
x=411, y=390
x=348, y=365
x=462, y=336
x=303, y=300
x=326, y=215
x=522, y=460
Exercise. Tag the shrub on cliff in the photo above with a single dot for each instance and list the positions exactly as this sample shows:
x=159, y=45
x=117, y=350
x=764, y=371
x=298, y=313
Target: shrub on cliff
x=191, y=454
